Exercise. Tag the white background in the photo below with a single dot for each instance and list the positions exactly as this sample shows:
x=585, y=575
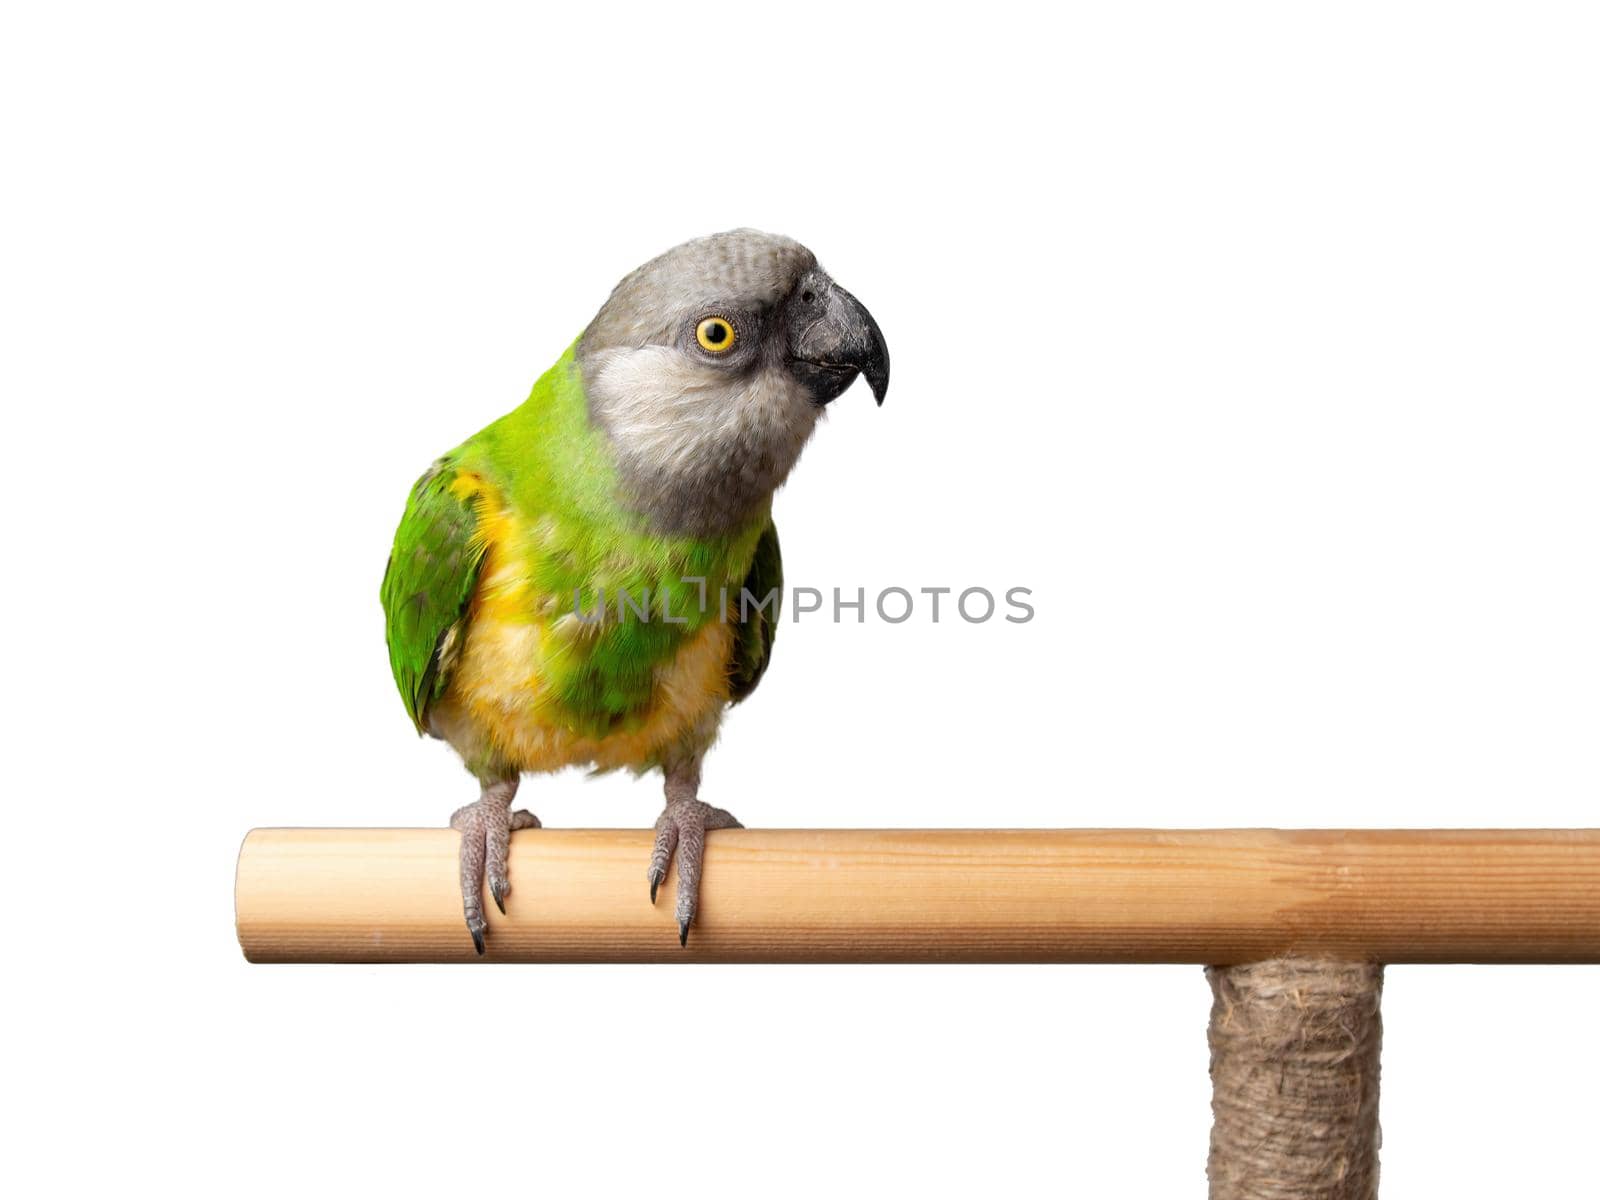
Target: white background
x=1260, y=344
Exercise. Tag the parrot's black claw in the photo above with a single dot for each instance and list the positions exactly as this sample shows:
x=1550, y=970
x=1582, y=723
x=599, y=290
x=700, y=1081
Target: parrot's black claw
x=486, y=829
x=681, y=836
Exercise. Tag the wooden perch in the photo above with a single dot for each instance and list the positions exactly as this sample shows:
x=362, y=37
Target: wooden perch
x=948, y=895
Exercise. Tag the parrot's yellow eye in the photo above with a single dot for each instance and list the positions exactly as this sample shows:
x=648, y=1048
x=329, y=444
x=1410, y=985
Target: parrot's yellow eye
x=715, y=335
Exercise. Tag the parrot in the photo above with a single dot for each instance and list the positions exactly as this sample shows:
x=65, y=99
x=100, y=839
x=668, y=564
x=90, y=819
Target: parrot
x=594, y=578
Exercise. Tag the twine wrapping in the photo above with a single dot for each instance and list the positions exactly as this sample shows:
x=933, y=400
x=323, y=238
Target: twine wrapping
x=1294, y=1078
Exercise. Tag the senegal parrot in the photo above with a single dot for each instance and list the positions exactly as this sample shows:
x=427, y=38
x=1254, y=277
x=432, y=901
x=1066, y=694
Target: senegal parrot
x=594, y=578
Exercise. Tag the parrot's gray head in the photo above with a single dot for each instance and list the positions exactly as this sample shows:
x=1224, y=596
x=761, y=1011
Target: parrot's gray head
x=708, y=368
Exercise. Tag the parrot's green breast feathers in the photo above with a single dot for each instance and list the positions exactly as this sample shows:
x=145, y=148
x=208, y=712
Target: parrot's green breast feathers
x=535, y=494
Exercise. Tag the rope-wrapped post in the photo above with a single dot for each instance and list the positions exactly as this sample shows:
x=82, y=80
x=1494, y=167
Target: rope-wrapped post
x=1294, y=1079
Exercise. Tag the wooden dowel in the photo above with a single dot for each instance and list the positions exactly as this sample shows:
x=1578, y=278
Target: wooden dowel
x=950, y=895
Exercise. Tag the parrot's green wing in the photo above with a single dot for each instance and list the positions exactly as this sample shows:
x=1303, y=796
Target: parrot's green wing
x=755, y=633
x=427, y=585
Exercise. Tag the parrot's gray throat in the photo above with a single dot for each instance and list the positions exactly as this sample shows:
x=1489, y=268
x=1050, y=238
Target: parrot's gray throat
x=709, y=367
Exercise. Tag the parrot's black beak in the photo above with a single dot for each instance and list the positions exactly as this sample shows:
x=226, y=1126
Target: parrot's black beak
x=832, y=339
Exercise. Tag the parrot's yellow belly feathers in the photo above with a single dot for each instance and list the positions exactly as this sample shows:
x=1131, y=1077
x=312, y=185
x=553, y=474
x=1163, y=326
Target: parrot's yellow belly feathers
x=497, y=690
x=500, y=704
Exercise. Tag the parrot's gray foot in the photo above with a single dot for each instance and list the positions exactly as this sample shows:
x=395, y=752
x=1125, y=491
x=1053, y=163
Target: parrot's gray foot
x=682, y=827
x=485, y=829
